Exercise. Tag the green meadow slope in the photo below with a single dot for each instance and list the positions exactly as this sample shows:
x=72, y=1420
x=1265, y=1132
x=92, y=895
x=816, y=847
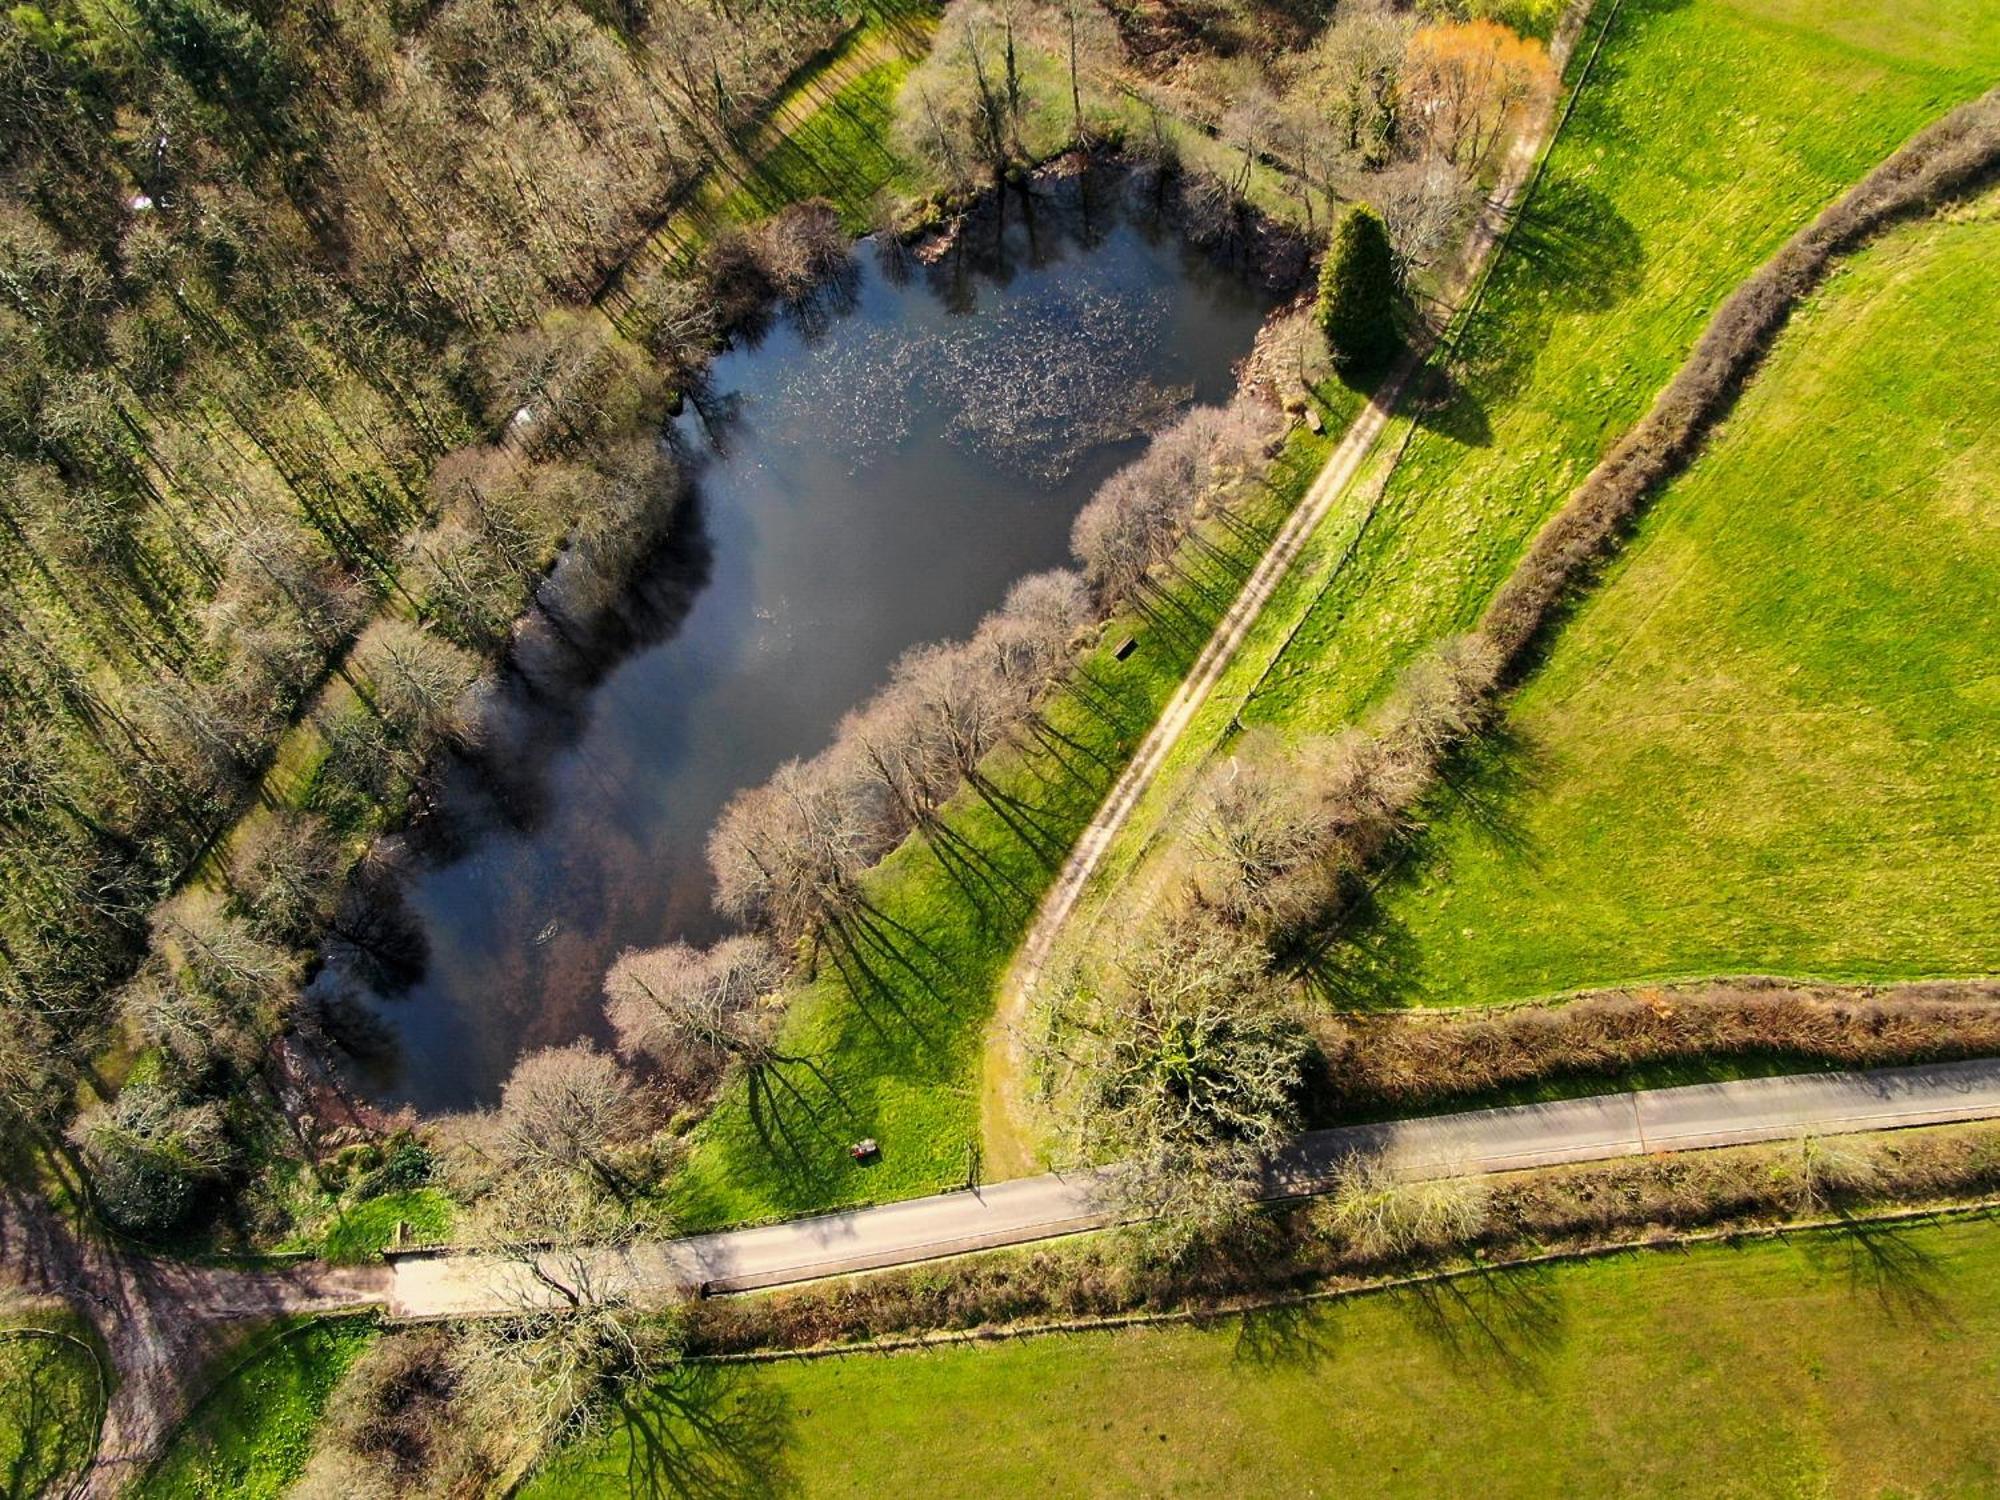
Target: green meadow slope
x=1770, y=740
x=1841, y=1365
x=1711, y=130
x=1707, y=132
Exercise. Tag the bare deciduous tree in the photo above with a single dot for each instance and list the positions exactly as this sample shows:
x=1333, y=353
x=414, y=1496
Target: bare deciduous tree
x=285, y=868
x=1349, y=78
x=564, y=1107
x=786, y=854
x=679, y=998
x=1138, y=517
x=1180, y=1060
x=1423, y=203
x=1262, y=839
x=418, y=683
x=544, y=1372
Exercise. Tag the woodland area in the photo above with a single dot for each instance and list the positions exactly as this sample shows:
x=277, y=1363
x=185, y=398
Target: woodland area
x=310, y=413
x=286, y=353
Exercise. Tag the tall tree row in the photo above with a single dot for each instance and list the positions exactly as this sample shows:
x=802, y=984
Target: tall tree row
x=276, y=357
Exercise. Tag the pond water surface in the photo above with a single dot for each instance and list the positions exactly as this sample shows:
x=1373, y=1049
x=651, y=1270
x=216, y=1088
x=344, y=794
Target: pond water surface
x=874, y=474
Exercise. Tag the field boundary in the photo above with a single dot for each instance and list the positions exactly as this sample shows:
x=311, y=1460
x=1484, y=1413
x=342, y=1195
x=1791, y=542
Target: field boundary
x=1939, y=165
x=1664, y=1240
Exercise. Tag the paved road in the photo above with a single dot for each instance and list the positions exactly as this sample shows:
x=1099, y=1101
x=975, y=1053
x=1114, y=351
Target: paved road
x=1034, y=1208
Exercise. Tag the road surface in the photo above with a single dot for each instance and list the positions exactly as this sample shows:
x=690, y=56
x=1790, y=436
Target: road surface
x=1036, y=1208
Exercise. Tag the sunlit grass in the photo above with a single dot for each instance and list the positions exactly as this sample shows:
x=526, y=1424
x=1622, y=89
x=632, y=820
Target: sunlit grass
x=1833, y=1364
x=249, y=1437
x=1771, y=741
x=1710, y=132
x=1706, y=134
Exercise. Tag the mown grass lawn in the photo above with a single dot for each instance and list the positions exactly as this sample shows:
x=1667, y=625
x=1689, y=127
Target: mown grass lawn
x=1852, y=1364
x=250, y=1436
x=50, y=1403
x=1770, y=740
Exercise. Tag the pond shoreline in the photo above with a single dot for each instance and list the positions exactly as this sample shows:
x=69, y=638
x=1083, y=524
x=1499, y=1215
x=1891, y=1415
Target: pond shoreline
x=977, y=243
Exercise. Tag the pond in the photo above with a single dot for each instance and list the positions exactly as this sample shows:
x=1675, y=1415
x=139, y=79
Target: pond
x=872, y=473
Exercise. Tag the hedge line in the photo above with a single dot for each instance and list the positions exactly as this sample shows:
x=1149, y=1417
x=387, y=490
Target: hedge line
x=1399, y=1060
x=1935, y=166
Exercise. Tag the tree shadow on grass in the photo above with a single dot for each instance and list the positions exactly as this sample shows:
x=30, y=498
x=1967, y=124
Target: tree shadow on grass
x=804, y=1139
x=1367, y=959
x=1485, y=787
x=1571, y=252
x=705, y=1430
x=1292, y=1335
x=1490, y=1325
x=1442, y=403
x=49, y=1439
x=1891, y=1263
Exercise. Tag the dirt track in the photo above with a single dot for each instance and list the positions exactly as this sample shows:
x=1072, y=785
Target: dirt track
x=1005, y=1047
x=161, y=1322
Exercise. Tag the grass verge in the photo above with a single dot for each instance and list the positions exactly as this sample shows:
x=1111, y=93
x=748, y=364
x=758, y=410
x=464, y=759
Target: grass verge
x=51, y=1402
x=251, y=1434
x=1845, y=1363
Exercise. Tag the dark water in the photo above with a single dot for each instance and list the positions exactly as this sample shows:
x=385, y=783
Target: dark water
x=876, y=474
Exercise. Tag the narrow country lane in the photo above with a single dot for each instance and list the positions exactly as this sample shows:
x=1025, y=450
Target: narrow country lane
x=1037, y=1208
x=164, y=1322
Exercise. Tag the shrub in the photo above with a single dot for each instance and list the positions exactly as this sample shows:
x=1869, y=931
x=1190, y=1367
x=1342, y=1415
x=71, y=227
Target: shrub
x=1357, y=292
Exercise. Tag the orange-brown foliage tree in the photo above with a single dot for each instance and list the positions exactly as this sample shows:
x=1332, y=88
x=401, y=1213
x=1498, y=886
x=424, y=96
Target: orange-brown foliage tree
x=1463, y=81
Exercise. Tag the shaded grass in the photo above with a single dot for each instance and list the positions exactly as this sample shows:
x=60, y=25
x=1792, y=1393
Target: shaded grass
x=841, y=153
x=251, y=1435
x=1850, y=1363
x=1769, y=742
x=889, y=1036
x=359, y=1231
x=50, y=1403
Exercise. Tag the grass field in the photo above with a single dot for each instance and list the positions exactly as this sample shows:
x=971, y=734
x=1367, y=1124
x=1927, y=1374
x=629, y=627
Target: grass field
x=50, y=1403
x=1708, y=132
x=1770, y=741
x=895, y=1052
x=250, y=1436
x=1854, y=1364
